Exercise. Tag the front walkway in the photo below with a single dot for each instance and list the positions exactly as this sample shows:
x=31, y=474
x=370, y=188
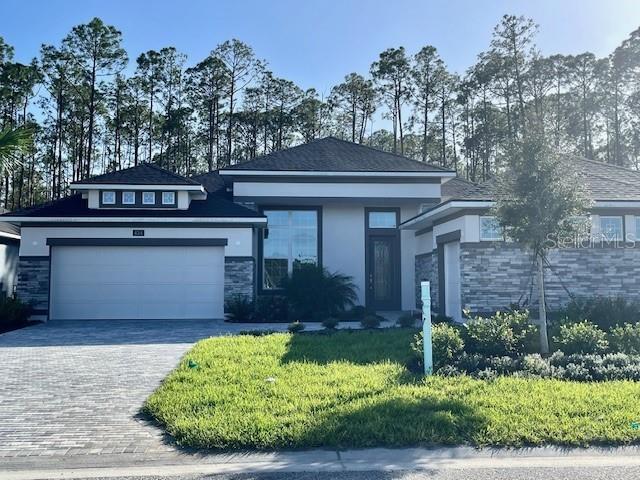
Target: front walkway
x=76, y=388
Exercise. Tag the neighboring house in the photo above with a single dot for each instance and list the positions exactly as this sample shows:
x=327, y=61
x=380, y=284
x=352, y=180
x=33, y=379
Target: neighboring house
x=9, y=247
x=462, y=251
x=146, y=243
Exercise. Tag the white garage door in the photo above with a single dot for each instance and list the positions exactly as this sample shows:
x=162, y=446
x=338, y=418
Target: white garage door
x=126, y=282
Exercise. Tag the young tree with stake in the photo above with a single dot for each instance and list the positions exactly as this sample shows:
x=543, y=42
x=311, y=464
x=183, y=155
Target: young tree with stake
x=539, y=198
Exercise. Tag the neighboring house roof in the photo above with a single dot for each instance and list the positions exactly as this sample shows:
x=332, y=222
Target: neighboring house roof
x=143, y=174
x=459, y=188
x=602, y=182
x=8, y=230
x=212, y=182
x=331, y=154
x=75, y=206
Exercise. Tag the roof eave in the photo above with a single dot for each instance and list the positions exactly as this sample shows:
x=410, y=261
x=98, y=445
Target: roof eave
x=59, y=219
x=127, y=186
x=342, y=173
x=426, y=218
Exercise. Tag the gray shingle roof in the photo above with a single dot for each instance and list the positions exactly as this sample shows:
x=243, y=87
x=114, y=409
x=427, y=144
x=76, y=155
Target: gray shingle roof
x=143, y=174
x=331, y=154
x=9, y=228
x=601, y=180
x=212, y=182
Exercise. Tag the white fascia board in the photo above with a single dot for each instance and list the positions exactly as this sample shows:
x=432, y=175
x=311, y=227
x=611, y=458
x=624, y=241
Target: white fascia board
x=297, y=173
x=138, y=220
x=118, y=186
x=441, y=210
x=9, y=235
x=616, y=204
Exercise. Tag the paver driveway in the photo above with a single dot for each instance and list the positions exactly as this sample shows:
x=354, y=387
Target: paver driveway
x=70, y=388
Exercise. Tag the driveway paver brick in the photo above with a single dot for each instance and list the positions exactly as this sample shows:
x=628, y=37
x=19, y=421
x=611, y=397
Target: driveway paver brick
x=76, y=388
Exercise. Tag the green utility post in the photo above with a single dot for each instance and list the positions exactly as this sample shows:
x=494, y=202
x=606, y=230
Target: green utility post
x=425, y=290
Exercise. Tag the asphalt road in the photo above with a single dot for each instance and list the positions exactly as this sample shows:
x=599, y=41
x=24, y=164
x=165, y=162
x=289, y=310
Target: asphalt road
x=569, y=473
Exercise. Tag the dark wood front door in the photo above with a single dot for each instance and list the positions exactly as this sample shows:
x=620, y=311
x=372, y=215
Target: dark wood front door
x=383, y=262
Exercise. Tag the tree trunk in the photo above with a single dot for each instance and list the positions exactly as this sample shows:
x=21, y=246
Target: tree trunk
x=544, y=341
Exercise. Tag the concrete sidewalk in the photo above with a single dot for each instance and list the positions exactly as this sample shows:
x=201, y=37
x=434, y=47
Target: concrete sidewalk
x=417, y=459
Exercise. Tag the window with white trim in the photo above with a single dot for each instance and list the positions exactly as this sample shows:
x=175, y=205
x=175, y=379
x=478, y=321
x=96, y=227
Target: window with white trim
x=490, y=229
x=148, y=198
x=611, y=228
x=108, y=198
x=292, y=240
x=168, y=198
x=128, y=198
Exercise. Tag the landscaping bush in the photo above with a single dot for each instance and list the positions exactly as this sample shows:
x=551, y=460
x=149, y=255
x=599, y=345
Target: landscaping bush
x=295, y=327
x=313, y=291
x=440, y=318
x=625, y=339
x=13, y=313
x=330, y=323
x=355, y=313
x=577, y=367
x=271, y=309
x=370, y=321
x=239, y=308
x=582, y=337
x=447, y=345
x=605, y=312
x=503, y=334
x=406, y=320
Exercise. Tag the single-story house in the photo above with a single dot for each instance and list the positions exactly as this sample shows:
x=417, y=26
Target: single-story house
x=145, y=243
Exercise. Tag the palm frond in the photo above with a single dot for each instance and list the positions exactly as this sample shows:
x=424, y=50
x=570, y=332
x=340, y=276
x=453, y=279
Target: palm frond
x=13, y=143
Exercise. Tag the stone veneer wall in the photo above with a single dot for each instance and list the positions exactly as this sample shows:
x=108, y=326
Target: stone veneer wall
x=497, y=274
x=33, y=283
x=239, y=277
x=427, y=269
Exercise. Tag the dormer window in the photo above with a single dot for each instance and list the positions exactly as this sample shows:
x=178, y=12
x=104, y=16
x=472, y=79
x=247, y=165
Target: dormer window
x=128, y=198
x=148, y=198
x=168, y=198
x=108, y=198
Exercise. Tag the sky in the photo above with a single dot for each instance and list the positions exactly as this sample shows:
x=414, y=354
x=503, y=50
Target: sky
x=316, y=43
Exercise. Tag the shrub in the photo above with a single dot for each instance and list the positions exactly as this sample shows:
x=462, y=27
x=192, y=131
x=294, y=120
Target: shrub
x=370, y=321
x=312, y=290
x=406, y=320
x=446, y=343
x=605, y=312
x=271, y=309
x=505, y=333
x=295, y=327
x=582, y=337
x=357, y=312
x=13, y=313
x=440, y=318
x=535, y=366
x=239, y=309
x=330, y=323
x=625, y=339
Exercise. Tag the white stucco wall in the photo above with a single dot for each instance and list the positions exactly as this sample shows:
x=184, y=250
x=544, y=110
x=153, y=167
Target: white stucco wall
x=337, y=190
x=343, y=247
x=343, y=243
x=408, y=255
x=34, y=239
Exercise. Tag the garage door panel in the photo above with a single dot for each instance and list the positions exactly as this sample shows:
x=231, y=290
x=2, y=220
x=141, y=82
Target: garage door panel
x=137, y=282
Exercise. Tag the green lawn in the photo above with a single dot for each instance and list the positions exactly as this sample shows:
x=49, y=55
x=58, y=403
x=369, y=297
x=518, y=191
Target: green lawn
x=351, y=389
